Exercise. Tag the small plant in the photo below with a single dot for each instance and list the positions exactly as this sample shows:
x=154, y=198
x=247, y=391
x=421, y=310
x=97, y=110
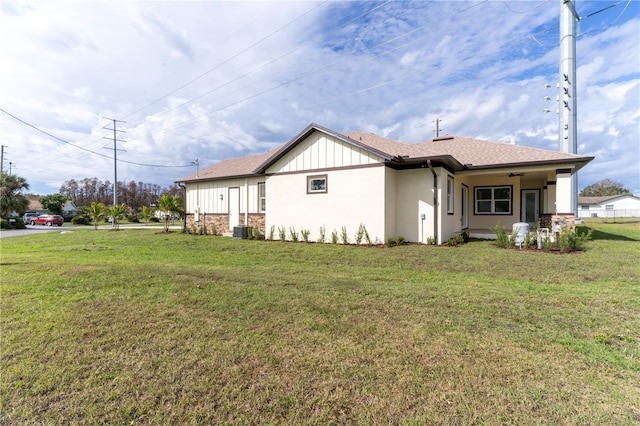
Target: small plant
x=455, y=241
x=256, y=233
x=80, y=220
x=272, y=232
x=250, y=233
x=360, y=234
x=344, y=237
x=572, y=240
x=367, y=237
x=305, y=234
x=322, y=235
x=504, y=239
x=293, y=234
x=334, y=237
x=391, y=241
x=282, y=231
x=399, y=240
x=431, y=241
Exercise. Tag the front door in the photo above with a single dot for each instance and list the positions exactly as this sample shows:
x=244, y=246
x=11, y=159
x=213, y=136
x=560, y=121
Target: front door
x=234, y=207
x=530, y=206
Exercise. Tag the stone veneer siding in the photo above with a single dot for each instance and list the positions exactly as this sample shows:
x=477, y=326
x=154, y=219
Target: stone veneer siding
x=218, y=224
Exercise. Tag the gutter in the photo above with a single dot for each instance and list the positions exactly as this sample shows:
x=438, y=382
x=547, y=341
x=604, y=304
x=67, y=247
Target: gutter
x=435, y=202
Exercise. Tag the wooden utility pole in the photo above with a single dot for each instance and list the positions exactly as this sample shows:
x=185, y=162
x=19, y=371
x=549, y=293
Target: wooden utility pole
x=115, y=159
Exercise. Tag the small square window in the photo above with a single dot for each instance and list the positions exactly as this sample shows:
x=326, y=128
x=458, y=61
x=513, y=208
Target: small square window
x=317, y=184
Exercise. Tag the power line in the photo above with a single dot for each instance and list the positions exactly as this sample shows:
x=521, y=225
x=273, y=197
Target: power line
x=230, y=59
x=82, y=148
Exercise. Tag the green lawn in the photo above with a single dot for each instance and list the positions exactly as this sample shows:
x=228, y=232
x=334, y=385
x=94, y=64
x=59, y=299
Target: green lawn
x=139, y=327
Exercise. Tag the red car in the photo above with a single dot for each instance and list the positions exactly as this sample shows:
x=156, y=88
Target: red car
x=47, y=219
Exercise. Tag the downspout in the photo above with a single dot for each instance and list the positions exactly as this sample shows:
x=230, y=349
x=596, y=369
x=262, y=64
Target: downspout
x=435, y=202
x=246, y=204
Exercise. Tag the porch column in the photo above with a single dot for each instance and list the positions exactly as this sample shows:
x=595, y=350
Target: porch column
x=563, y=192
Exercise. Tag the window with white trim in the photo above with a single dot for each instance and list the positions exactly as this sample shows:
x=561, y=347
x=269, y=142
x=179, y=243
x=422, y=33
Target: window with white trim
x=262, y=197
x=609, y=206
x=449, y=195
x=493, y=199
x=317, y=184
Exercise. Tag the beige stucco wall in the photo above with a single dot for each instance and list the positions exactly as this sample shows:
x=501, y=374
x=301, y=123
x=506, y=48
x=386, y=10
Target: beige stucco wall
x=353, y=196
x=414, y=189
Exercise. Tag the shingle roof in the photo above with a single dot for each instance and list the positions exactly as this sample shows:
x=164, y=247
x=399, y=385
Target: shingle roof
x=602, y=199
x=240, y=166
x=477, y=153
x=464, y=153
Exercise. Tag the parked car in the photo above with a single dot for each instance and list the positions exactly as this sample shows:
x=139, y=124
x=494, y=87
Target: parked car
x=26, y=218
x=47, y=220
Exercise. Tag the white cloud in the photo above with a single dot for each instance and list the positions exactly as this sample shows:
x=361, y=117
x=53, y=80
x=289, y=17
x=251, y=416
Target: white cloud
x=259, y=72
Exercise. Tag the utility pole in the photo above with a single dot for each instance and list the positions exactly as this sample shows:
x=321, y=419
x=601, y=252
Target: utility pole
x=1, y=158
x=115, y=159
x=10, y=164
x=437, y=127
x=196, y=163
x=567, y=96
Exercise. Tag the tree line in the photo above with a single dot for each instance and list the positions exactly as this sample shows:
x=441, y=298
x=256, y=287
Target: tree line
x=135, y=195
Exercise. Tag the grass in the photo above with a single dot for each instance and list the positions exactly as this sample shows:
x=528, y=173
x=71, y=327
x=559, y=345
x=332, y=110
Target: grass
x=139, y=327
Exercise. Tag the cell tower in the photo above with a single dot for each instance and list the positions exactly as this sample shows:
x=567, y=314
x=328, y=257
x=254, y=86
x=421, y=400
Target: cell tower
x=567, y=96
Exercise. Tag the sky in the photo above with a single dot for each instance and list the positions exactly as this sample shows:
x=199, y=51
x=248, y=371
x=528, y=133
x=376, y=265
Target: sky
x=210, y=80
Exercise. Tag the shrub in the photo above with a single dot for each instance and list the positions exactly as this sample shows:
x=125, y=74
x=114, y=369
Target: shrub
x=323, y=236
x=250, y=233
x=334, y=237
x=293, y=234
x=272, y=232
x=391, y=241
x=282, y=232
x=431, y=241
x=81, y=220
x=154, y=219
x=569, y=240
x=305, y=234
x=344, y=237
x=360, y=234
x=399, y=239
x=504, y=239
x=4, y=224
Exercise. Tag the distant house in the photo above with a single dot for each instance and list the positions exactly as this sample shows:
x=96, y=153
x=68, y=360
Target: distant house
x=323, y=181
x=69, y=209
x=609, y=206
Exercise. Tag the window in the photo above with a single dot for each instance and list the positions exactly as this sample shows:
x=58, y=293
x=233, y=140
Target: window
x=493, y=200
x=449, y=195
x=262, y=197
x=317, y=184
x=585, y=207
x=609, y=206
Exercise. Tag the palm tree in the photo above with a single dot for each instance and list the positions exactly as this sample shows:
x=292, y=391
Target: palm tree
x=117, y=212
x=146, y=213
x=11, y=198
x=168, y=205
x=96, y=211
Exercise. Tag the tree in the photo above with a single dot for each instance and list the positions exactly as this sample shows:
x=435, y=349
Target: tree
x=117, y=212
x=96, y=212
x=168, y=205
x=604, y=188
x=11, y=198
x=146, y=213
x=54, y=203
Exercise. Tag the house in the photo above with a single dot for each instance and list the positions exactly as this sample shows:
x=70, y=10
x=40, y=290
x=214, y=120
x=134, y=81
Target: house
x=609, y=206
x=323, y=181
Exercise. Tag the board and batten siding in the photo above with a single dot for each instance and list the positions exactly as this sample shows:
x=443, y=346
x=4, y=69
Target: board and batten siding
x=207, y=195
x=321, y=151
